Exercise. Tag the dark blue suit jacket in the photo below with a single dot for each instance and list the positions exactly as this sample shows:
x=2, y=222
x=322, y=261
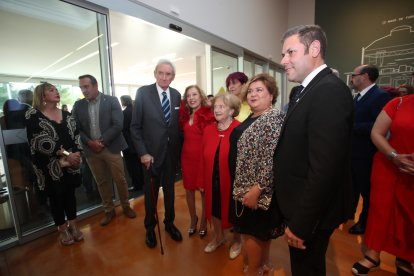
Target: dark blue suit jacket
x=366, y=111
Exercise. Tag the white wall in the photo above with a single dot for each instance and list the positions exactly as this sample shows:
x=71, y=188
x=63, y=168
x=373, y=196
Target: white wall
x=255, y=25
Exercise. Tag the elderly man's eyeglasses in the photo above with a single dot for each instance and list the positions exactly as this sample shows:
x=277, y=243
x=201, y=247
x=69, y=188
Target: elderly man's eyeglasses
x=354, y=75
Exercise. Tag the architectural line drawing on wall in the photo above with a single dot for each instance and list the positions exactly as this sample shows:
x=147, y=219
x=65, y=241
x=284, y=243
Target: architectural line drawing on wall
x=393, y=54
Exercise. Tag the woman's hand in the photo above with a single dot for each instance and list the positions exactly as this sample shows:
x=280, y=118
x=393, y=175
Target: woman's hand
x=405, y=163
x=251, y=198
x=74, y=159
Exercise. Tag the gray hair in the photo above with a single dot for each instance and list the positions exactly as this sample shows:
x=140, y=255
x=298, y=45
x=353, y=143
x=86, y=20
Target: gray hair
x=165, y=61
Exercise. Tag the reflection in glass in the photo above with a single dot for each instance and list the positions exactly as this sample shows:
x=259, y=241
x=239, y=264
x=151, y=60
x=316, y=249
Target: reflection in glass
x=50, y=41
x=222, y=64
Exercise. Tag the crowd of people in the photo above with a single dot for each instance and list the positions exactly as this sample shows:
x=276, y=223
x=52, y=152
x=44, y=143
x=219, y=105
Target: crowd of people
x=262, y=173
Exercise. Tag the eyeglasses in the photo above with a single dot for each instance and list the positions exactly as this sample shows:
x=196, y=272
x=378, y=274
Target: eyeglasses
x=354, y=75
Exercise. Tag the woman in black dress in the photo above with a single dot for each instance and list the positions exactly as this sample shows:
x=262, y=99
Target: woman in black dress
x=252, y=146
x=55, y=150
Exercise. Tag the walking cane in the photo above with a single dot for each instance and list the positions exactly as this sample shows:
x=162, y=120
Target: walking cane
x=156, y=211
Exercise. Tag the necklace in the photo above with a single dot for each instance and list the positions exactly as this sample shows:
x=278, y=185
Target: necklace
x=225, y=125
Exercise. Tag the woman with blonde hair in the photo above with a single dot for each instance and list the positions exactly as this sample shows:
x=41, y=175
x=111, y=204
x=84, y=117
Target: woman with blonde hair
x=215, y=176
x=55, y=150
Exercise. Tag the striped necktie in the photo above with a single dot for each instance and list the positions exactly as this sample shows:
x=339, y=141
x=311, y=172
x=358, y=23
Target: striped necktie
x=165, y=105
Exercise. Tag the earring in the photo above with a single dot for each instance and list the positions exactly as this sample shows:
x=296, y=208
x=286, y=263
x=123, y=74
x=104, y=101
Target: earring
x=44, y=103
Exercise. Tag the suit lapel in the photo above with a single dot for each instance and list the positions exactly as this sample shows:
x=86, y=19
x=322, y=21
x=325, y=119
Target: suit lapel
x=309, y=88
x=304, y=93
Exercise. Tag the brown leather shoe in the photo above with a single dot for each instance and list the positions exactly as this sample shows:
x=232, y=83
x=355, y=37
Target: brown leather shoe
x=129, y=213
x=107, y=218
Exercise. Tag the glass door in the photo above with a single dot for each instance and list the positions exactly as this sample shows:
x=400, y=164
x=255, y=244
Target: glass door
x=53, y=41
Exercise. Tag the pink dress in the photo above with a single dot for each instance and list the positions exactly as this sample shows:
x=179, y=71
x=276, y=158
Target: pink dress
x=390, y=225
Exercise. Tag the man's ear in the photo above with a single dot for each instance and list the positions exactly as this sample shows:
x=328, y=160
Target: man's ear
x=315, y=48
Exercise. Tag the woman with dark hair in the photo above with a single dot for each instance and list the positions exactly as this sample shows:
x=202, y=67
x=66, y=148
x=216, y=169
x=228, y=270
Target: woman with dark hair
x=235, y=83
x=195, y=115
x=405, y=89
x=55, y=149
x=252, y=146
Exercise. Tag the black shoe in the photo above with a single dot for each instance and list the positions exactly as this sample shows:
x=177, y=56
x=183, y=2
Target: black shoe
x=404, y=268
x=357, y=229
x=173, y=231
x=151, y=239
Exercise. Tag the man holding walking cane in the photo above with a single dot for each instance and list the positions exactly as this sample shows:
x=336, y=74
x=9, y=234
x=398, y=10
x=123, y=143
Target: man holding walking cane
x=155, y=133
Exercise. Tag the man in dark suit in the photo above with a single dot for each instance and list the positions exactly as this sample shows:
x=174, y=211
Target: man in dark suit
x=100, y=120
x=132, y=162
x=155, y=133
x=312, y=159
x=368, y=104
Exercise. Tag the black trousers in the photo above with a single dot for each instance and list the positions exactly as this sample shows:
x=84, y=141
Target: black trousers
x=361, y=178
x=165, y=177
x=311, y=261
x=62, y=198
x=134, y=167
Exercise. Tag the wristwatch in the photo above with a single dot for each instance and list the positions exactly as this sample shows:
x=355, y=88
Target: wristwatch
x=392, y=155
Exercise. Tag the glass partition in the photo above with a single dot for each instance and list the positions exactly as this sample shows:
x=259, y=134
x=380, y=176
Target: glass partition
x=44, y=40
x=222, y=65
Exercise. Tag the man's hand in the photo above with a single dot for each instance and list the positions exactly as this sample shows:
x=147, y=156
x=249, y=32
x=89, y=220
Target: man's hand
x=96, y=145
x=293, y=240
x=147, y=160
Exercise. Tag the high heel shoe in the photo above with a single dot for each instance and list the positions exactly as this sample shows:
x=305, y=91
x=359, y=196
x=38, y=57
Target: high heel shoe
x=192, y=230
x=74, y=231
x=202, y=233
x=359, y=269
x=65, y=236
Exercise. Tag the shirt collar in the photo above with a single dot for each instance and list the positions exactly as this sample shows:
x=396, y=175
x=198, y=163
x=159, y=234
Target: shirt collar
x=365, y=90
x=96, y=99
x=160, y=90
x=313, y=74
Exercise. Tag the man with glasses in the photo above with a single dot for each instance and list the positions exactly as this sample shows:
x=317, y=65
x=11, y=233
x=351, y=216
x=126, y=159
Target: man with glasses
x=368, y=102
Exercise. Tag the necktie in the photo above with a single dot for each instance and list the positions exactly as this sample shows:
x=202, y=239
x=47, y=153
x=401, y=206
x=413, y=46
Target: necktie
x=295, y=96
x=357, y=96
x=165, y=105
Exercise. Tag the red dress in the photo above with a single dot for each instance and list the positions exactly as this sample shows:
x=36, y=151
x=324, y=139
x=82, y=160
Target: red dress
x=193, y=135
x=211, y=140
x=390, y=225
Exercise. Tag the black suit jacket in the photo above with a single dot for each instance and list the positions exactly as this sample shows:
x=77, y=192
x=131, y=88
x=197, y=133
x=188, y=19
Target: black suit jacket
x=126, y=131
x=312, y=159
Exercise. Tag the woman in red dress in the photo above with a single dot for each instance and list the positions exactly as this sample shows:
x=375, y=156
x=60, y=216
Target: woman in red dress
x=215, y=176
x=390, y=225
x=195, y=115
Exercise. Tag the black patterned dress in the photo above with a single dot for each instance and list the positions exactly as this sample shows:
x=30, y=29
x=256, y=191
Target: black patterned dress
x=252, y=146
x=45, y=138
